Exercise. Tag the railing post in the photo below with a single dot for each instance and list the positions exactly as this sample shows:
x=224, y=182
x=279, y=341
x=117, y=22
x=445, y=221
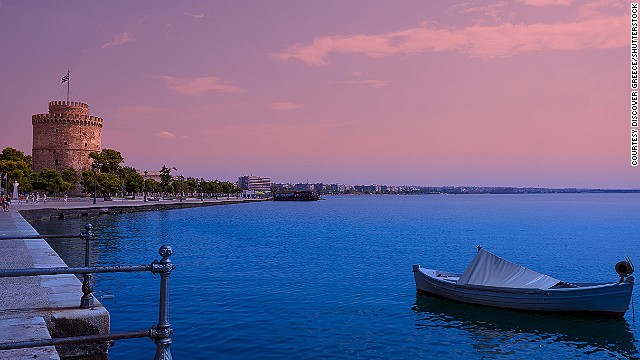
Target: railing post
x=87, y=285
x=161, y=333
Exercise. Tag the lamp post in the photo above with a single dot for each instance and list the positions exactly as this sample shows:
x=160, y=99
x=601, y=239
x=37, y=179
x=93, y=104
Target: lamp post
x=181, y=185
x=201, y=189
x=94, y=168
x=144, y=186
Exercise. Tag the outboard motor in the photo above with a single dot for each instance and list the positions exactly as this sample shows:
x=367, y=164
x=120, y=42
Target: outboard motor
x=624, y=268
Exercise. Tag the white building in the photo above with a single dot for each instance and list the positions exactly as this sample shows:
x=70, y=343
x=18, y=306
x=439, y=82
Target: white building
x=254, y=183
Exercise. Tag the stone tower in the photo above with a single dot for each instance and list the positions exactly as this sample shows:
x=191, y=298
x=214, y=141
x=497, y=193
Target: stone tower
x=65, y=136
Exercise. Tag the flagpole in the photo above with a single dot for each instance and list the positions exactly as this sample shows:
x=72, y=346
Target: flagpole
x=68, y=84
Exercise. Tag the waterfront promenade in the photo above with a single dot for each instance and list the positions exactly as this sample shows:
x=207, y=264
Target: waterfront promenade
x=85, y=207
x=39, y=307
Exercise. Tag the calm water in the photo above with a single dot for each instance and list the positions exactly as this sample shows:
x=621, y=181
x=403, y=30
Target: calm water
x=332, y=279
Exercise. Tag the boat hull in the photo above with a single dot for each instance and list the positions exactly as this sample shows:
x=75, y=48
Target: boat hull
x=602, y=298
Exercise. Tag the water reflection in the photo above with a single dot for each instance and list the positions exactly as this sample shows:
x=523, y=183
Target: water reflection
x=497, y=332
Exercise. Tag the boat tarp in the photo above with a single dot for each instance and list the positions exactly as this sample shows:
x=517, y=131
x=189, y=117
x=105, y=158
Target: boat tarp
x=487, y=269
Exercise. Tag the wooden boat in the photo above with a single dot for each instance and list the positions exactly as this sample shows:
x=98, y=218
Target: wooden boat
x=493, y=281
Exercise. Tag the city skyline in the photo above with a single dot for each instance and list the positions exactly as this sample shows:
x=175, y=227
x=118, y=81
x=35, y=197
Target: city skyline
x=525, y=93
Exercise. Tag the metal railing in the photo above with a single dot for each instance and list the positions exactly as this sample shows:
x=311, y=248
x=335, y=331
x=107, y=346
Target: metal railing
x=159, y=333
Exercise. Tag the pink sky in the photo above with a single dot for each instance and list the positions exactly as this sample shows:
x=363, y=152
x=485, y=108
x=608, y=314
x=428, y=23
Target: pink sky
x=488, y=93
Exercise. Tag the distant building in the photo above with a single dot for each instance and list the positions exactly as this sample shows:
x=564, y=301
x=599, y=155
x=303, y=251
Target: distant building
x=368, y=188
x=254, y=183
x=151, y=175
x=64, y=137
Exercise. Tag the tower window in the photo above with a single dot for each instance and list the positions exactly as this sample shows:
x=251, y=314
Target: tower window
x=65, y=143
x=56, y=161
x=56, y=130
x=85, y=144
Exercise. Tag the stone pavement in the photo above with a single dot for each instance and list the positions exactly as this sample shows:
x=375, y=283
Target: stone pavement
x=31, y=305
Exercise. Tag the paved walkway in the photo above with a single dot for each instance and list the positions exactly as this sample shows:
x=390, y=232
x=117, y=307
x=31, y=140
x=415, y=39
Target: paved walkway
x=87, y=203
x=31, y=305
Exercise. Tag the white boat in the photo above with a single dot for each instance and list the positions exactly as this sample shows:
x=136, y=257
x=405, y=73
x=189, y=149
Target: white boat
x=493, y=281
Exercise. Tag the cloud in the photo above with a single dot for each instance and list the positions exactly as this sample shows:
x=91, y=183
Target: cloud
x=378, y=84
x=546, y=2
x=497, y=41
x=594, y=9
x=119, y=39
x=138, y=110
x=490, y=10
x=199, y=85
x=195, y=17
x=165, y=135
x=284, y=106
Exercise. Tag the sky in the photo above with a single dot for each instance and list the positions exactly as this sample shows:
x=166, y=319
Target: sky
x=434, y=93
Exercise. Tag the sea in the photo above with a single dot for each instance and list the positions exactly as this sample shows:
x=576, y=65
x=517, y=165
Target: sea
x=332, y=279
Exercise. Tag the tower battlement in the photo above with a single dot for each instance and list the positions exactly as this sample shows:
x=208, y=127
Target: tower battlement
x=86, y=120
x=65, y=137
x=68, y=107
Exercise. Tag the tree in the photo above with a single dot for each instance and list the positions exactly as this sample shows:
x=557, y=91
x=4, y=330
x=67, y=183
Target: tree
x=191, y=185
x=87, y=181
x=108, y=183
x=15, y=155
x=105, y=183
x=50, y=181
x=152, y=186
x=70, y=176
x=108, y=160
x=133, y=182
x=165, y=177
x=17, y=166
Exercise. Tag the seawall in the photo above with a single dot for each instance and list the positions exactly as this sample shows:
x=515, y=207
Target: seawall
x=42, y=307
x=59, y=210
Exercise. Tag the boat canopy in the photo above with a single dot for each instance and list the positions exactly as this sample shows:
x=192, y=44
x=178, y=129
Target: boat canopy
x=487, y=269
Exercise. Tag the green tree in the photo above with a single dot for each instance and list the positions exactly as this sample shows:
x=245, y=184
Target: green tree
x=191, y=185
x=133, y=182
x=50, y=181
x=216, y=188
x=152, y=186
x=165, y=177
x=17, y=166
x=227, y=187
x=70, y=176
x=108, y=183
x=87, y=181
x=108, y=160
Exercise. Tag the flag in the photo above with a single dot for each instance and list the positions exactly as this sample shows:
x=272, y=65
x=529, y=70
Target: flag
x=65, y=78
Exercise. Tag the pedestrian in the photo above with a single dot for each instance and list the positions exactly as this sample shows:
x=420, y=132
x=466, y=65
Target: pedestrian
x=8, y=202
x=44, y=198
x=65, y=198
x=4, y=205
